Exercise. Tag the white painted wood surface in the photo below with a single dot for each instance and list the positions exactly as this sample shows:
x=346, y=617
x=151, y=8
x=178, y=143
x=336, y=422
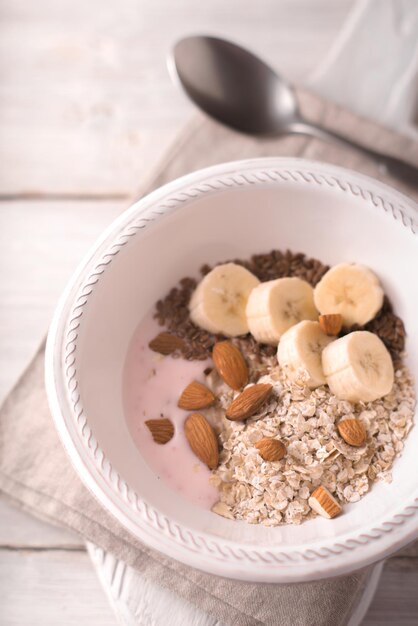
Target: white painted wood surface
x=41, y=242
x=51, y=587
x=86, y=104
x=86, y=109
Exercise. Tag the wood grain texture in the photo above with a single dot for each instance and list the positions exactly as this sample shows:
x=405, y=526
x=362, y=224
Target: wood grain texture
x=51, y=588
x=86, y=102
x=41, y=244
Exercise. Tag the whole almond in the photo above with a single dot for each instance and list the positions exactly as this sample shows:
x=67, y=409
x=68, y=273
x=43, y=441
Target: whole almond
x=202, y=439
x=248, y=402
x=271, y=449
x=196, y=396
x=324, y=503
x=166, y=343
x=230, y=364
x=352, y=431
x=331, y=324
x=162, y=430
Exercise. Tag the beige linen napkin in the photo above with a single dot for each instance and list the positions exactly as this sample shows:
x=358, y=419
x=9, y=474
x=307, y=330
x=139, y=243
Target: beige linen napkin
x=37, y=475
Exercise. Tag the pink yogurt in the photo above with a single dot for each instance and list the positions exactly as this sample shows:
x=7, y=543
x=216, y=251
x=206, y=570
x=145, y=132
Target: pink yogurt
x=152, y=385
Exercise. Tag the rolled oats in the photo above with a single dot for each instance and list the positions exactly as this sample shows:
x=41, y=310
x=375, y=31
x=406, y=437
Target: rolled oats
x=276, y=493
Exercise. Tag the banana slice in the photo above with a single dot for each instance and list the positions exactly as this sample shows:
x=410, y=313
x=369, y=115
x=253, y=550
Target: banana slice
x=300, y=348
x=276, y=305
x=358, y=367
x=351, y=290
x=218, y=302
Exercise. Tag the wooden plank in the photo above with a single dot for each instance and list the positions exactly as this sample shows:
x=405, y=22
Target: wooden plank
x=21, y=530
x=396, y=599
x=41, y=243
x=50, y=588
x=86, y=103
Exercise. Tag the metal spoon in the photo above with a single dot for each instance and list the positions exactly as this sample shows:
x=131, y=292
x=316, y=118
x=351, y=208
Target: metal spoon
x=238, y=89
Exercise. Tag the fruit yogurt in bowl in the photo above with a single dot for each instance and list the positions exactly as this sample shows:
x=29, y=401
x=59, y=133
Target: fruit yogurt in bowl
x=272, y=390
x=236, y=448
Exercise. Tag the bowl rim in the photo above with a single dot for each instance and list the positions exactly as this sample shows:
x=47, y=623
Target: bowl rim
x=203, y=550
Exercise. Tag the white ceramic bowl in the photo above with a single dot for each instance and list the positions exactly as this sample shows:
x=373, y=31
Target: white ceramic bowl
x=231, y=210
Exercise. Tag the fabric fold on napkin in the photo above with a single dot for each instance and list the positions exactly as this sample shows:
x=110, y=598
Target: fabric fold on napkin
x=37, y=475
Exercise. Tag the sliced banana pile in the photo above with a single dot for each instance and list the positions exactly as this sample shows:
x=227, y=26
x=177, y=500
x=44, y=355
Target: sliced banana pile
x=231, y=301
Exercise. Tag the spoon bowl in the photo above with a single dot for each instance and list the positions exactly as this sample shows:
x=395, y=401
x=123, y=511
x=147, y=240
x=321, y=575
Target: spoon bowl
x=234, y=86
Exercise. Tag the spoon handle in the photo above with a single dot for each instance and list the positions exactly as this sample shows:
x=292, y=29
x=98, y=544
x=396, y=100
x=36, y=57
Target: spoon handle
x=397, y=167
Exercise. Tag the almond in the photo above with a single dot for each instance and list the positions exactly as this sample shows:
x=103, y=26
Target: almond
x=248, y=402
x=162, y=430
x=166, y=343
x=352, y=431
x=202, y=439
x=331, y=324
x=324, y=503
x=230, y=364
x=196, y=396
x=271, y=449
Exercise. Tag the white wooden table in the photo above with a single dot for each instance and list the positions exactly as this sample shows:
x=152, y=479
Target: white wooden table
x=86, y=109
